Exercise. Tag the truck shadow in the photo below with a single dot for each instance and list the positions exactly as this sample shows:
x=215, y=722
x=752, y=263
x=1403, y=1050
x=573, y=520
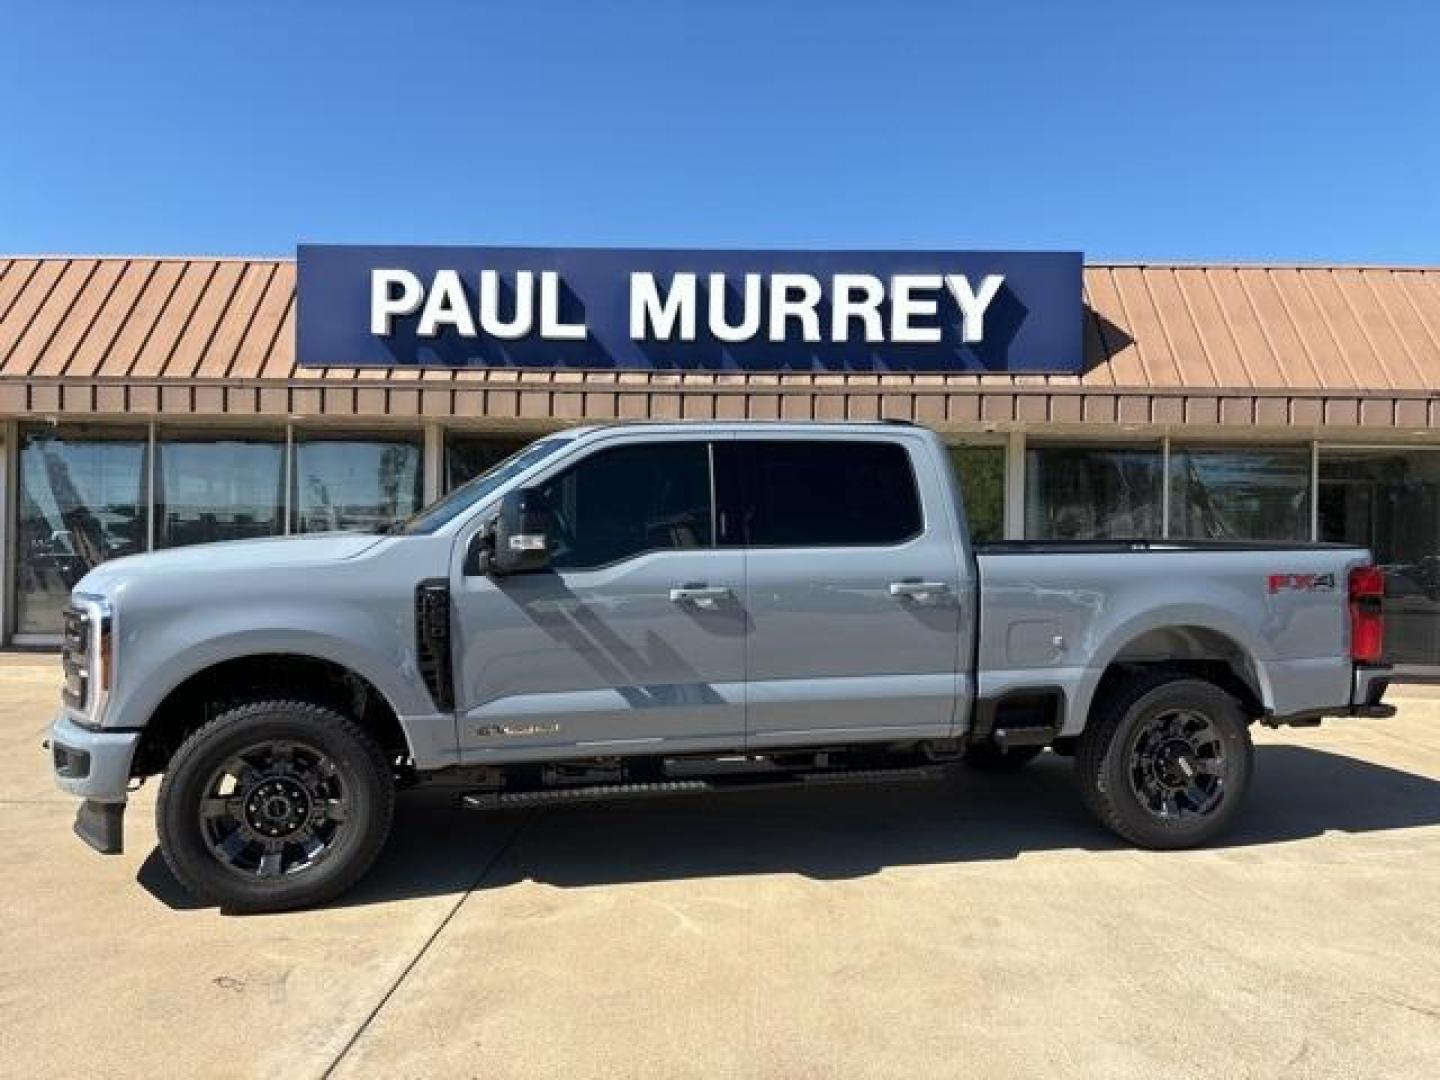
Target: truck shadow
x=437, y=848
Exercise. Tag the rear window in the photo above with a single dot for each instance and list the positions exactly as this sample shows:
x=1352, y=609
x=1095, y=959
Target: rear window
x=819, y=493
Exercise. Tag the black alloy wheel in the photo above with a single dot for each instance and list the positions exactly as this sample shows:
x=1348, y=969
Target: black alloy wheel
x=1178, y=767
x=277, y=807
x=275, y=804
x=1165, y=759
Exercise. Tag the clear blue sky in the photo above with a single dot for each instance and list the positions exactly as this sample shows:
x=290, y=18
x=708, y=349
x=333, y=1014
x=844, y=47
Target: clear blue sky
x=1145, y=129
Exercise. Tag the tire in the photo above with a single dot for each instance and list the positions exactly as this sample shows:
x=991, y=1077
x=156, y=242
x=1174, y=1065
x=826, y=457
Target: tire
x=986, y=757
x=1166, y=760
x=268, y=776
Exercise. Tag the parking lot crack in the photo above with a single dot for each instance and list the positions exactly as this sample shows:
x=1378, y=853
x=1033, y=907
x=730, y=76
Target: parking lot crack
x=1423, y=1010
x=420, y=954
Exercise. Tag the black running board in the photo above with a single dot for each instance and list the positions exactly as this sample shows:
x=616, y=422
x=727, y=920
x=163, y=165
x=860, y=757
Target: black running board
x=565, y=796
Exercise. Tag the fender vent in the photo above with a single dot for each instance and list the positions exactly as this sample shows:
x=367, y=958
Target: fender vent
x=432, y=640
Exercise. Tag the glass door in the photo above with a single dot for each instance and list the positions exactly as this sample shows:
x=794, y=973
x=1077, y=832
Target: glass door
x=1389, y=500
x=82, y=499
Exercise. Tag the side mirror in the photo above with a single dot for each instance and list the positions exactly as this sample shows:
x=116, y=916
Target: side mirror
x=522, y=534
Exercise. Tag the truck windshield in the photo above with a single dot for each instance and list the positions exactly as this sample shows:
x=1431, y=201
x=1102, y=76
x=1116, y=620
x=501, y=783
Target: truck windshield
x=445, y=510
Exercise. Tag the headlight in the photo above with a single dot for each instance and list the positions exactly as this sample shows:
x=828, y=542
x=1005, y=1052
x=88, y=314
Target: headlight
x=86, y=656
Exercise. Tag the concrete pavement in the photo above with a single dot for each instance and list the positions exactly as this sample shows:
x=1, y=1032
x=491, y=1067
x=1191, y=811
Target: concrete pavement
x=985, y=928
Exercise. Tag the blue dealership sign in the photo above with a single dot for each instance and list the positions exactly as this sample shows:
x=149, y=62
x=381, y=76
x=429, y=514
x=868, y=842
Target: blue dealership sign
x=910, y=311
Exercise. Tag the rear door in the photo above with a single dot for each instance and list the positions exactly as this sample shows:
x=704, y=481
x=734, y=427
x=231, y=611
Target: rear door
x=853, y=587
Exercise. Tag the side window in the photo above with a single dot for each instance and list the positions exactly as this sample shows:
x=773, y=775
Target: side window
x=811, y=493
x=622, y=502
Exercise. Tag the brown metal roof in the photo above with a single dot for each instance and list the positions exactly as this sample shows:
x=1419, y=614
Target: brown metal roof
x=1267, y=345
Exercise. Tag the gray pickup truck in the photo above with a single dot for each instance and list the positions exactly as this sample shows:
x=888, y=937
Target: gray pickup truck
x=637, y=610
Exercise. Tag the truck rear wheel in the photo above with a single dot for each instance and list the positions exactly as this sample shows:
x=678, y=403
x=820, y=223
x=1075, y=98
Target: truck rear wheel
x=1166, y=760
x=273, y=805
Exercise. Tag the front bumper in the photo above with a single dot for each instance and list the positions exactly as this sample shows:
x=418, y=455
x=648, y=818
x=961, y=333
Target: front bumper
x=94, y=765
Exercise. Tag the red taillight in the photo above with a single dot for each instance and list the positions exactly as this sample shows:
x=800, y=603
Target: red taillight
x=1367, y=619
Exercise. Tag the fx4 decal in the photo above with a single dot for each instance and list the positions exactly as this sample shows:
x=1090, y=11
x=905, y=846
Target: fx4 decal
x=1301, y=583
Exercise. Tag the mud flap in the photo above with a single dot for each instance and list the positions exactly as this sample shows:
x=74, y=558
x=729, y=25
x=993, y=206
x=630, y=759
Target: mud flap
x=102, y=826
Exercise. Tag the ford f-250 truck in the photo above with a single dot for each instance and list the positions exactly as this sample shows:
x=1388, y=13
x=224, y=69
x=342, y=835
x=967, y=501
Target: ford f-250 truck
x=661, y=609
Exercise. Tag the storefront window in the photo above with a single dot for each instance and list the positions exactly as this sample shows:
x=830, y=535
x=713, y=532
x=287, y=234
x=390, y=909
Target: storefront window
x=1389, y=501
x=82, y=500
x=345, y=482
x=981, y=470
x=1092, y=492
x=209, y=488
x=1240, y=493
x=467, y=456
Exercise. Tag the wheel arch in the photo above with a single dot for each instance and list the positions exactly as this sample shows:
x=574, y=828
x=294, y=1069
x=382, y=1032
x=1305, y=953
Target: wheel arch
x=205, y=690
x=1195, y=644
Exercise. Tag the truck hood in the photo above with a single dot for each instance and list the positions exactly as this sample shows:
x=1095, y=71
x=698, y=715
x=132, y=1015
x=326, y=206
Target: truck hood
x=229, y=556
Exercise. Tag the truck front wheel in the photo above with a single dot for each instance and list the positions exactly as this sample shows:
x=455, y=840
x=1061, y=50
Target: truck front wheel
x=1165, y=760
x=273, y=805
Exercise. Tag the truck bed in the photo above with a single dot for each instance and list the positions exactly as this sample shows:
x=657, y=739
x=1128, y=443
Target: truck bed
x=1275, y=612
x=1101, y=547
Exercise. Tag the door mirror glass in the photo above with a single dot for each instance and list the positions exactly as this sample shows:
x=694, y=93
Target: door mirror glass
x=522, y=535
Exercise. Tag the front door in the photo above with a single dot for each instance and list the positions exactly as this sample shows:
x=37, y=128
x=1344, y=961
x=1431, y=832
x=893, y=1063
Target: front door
x=853, y=589
x=632, y=641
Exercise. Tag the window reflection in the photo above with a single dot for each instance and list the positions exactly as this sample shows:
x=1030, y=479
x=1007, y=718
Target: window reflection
x=467, y=456
x=1240, y=493
x=82, y=501
x=1389, y=501
x=355, y=483
x=225, y=489
x=618, y=503
x=981, y=472
x=1092, y=492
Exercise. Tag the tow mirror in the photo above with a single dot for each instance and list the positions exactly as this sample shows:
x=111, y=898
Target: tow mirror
x=522, y=534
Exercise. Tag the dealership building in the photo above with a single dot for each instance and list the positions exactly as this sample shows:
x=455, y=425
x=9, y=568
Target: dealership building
x=147, y=403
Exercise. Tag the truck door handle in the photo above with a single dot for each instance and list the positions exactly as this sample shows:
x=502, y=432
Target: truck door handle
x=707, y=597
x=920, y=591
